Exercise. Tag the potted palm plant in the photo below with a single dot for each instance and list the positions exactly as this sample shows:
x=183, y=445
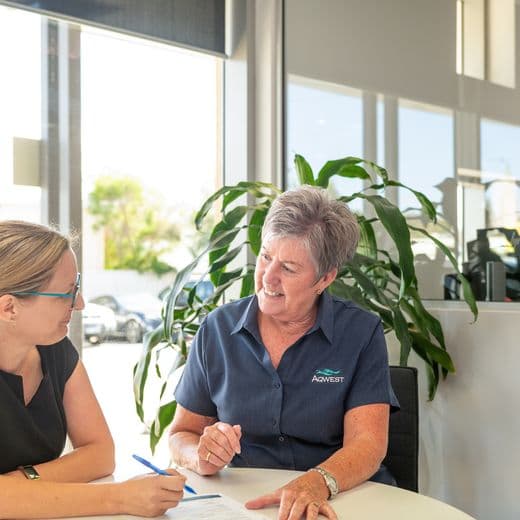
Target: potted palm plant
x=380, y=280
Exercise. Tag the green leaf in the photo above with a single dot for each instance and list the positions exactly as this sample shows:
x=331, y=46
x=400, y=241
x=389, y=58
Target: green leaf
x=161, y=422
x=433, y=352
x=254, y=231
x=396, y=226
x=224, y=260
x=248, y=284
x=150, y=341
x=403, y=335
x=425, y=203
x=303, y=170
x=367, y=242
x=346, y=167
x=431, y=323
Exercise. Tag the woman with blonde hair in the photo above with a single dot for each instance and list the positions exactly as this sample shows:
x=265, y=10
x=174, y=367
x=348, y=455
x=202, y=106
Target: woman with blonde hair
x=45, y=394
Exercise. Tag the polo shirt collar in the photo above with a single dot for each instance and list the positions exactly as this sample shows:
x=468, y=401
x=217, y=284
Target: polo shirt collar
x=324, y=319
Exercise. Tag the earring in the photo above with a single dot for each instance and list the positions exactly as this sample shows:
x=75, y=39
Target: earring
x=318, y=292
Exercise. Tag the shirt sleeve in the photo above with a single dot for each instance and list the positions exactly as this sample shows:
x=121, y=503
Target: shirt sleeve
x=193, y=391
x=371, y=383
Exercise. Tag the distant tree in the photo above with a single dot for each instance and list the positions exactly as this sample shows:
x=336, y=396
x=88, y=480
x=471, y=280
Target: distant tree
x=136, y=230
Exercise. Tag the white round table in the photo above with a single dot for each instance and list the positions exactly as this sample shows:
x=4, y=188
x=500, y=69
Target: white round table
x=369, y=501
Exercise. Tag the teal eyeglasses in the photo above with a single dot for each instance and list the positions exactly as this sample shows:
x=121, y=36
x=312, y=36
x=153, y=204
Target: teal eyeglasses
x=73, y=294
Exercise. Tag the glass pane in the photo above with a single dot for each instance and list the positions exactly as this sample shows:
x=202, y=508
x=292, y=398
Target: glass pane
x=500, y=163
x=497, y=244
x=20, y=109
x=324, y=122
x=426, y=164
x=150, y=157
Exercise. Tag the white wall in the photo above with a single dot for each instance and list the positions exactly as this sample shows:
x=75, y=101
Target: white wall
x=403, y=48
x=469, y=434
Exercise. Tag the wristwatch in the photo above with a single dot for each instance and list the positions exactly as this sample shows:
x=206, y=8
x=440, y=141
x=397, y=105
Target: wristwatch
x=330, y=481
x=29, y=472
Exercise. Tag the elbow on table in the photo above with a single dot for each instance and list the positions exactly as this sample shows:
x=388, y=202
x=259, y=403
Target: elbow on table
x=106, y=463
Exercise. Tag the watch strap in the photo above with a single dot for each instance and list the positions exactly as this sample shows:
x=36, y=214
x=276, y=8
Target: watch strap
x=29, y=472
x=330, y=481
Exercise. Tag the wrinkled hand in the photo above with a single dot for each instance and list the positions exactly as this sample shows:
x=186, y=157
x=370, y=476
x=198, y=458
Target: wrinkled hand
x=218, y=444
x=304, y=497
x=151, y=494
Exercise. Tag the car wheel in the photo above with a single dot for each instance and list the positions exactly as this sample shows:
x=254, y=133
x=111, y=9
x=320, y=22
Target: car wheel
x=133, y=333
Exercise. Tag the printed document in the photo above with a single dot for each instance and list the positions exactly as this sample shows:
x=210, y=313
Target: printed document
x=213, y=507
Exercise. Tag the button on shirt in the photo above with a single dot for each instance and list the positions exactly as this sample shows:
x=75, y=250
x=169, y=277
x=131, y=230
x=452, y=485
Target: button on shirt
x=292, y=416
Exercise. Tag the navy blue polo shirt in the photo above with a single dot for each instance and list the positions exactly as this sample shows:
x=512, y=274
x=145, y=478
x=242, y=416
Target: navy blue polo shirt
x=292, y=416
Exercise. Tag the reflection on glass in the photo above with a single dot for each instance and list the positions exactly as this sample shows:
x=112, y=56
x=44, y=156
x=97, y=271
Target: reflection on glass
x=500, y=163
x=426, y=163
x=425, y=150
x=324, y=122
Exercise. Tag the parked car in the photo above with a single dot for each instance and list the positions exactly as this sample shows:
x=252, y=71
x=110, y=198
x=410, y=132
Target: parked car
x=204, y=290
x=135, y=314
x=99, y=323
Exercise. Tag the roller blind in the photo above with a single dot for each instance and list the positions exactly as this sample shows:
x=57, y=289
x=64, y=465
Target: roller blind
x=197, y=24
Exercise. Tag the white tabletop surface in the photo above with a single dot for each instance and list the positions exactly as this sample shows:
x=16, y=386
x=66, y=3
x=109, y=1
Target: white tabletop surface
x=369, y=501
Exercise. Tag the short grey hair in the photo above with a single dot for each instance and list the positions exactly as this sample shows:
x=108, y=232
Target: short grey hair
x=328, y=228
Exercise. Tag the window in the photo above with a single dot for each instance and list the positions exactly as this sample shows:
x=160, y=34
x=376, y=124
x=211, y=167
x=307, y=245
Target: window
x=94, y=103
x=486, y=40
x=324, y=122
x=20, y=123
x=426, y=163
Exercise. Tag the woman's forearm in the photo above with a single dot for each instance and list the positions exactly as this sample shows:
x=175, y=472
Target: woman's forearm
x=355, y=462
x=147, y=495
x=183, y=447
x=40, y=499
x=82, y=464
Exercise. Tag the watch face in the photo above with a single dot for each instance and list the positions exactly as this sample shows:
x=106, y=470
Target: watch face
x=330, y=481
x=29, y=472
x=332, y=485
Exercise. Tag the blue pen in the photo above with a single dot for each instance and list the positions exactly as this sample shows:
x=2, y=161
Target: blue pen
x=151, y=466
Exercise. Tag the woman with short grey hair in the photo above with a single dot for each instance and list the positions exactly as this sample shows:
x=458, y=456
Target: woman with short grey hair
x=291, y=377
x=327, y=227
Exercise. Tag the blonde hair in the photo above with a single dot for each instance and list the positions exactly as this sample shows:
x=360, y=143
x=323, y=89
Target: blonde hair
x=29, y=254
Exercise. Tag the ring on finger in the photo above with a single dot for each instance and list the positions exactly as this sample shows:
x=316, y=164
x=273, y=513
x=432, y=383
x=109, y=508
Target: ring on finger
x=315, y=504
x=208, y=456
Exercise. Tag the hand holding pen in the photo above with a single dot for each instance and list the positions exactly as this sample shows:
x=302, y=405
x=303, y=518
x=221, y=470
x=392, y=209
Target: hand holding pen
x=159, y=471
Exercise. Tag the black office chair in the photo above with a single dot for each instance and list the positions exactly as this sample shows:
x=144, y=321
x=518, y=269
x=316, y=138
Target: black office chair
x=402, y=457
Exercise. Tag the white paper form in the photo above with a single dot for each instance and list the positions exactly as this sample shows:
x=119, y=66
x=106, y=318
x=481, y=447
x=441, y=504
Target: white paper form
x=213, y=508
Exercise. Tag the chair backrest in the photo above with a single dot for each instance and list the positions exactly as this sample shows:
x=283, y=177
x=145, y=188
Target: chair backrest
x=402, y=457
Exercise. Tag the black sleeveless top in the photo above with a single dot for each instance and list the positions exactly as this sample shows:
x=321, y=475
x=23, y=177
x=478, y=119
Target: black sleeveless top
x=36, y=433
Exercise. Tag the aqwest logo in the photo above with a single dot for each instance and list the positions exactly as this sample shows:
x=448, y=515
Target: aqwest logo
x=327, y=375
